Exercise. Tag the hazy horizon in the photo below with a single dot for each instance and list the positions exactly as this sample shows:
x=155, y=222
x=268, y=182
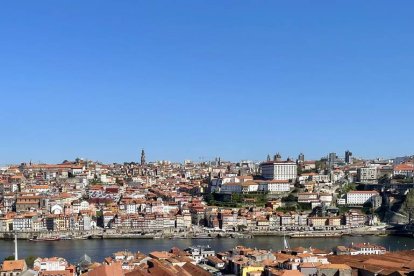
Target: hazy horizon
x=137, y=160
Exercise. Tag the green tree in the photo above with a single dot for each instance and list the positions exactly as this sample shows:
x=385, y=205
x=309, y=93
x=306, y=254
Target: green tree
x=399, y=176
x=304, y=206
x=30, y=260
x=289, y=198
x=235, y=197
x=368, y=204
x=409, y=200
x=348, y=187
x=209, y=198
x=385, y=179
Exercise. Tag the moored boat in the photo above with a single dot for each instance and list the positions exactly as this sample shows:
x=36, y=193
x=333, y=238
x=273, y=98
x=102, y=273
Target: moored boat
x=45, y=239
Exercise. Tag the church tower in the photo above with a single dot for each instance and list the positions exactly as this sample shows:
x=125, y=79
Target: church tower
x=142, y=157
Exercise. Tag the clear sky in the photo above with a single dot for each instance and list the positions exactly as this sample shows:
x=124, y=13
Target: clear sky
x=190, y=79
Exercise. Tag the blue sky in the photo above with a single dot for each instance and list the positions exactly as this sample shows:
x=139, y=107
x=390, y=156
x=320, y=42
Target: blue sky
x=190, y=79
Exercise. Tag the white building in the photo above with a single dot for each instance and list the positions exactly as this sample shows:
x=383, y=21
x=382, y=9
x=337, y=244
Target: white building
x=360, y=197
x=325, y=198
x=131, y=207
x=280, y=186
x=274, y=186
x=22, y=223
x=368, y=249
x=279, y=170
x=404, y=169
x=56, y=209
x=341, y=201
x=76, y=170
x=250, y=187
x=199, y=253
x=50, y=264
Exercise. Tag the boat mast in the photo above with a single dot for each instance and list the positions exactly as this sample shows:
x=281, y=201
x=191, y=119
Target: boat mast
x=285, y=243
x=16, y=256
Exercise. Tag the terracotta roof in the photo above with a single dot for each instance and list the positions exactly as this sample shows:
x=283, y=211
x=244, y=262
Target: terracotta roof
x=310, y=265
x=13, y=265
x=55, y=273
x=404, y=167
x=287, y=273
x=334, y=266
x=160, y=255
x=195, y=270
x=107, y=270
x=383, y=263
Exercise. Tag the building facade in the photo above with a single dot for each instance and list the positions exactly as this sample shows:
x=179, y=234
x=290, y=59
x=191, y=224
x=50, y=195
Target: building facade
x=367, y=174
x=360, y=197
x=279, y=170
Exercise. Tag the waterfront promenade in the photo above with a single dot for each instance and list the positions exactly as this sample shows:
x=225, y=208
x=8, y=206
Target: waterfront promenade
x=198, y=234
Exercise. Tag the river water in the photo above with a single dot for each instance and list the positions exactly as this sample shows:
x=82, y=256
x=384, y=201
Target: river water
x=72, y=250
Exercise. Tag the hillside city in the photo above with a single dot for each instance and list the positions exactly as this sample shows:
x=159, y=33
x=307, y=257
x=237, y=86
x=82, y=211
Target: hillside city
x=198, y=138
x=301, y=198
x=83, y=199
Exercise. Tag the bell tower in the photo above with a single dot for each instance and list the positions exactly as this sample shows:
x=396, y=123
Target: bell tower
x=142, y=157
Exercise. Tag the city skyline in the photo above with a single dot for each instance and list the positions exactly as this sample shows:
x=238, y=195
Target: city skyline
x=200, y=159
x=185, y=80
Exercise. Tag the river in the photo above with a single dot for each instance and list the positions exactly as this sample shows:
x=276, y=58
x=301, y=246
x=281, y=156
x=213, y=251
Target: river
x=72, y=250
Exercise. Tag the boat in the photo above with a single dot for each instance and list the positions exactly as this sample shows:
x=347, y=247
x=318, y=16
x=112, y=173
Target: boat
x=178, y=238
x=52, y=239
x=315, y=235
x=35, y=239
x=202, y=237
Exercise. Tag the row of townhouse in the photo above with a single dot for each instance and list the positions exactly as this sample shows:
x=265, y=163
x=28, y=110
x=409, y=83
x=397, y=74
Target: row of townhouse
x=232, y=221
x=132, y=206
x=34, y=202
x=32, y=222
x=147, y=222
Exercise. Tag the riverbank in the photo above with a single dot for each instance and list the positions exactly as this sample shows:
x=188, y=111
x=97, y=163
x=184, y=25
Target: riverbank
x=99, y=234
